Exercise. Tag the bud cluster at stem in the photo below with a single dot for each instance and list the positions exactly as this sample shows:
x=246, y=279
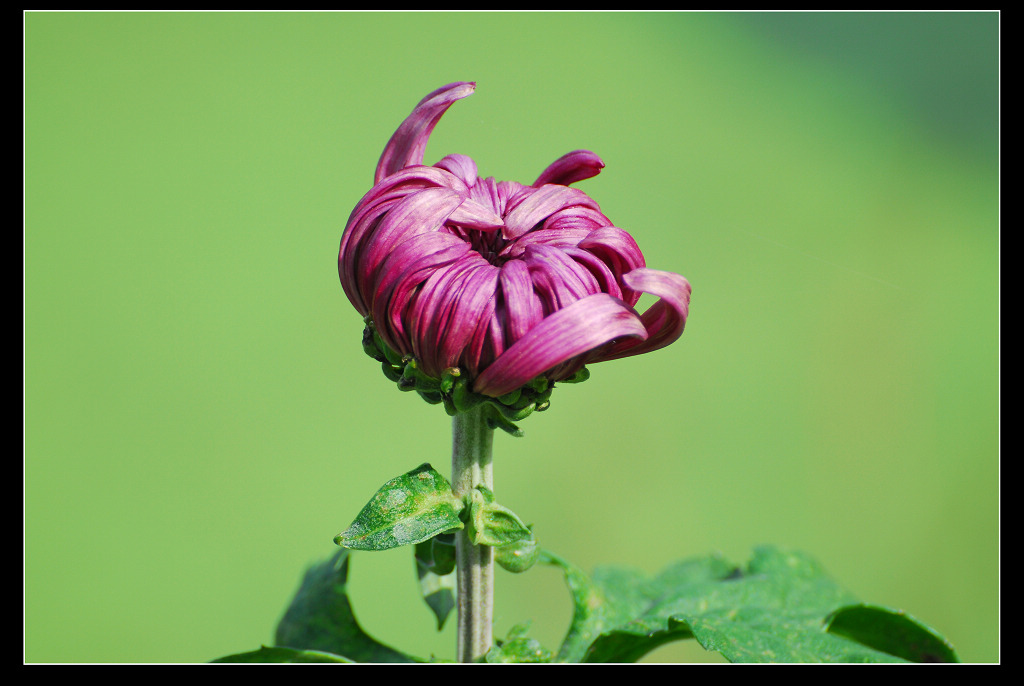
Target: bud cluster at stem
x=453, y=388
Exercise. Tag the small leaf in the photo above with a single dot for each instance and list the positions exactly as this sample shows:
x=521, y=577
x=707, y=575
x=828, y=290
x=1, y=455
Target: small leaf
x=435, y=569
x=890, y=631
x=408, y=509
x=493, y=524
x=518, y=648
x=283, y=655
x=519, y=556
x=320, y=618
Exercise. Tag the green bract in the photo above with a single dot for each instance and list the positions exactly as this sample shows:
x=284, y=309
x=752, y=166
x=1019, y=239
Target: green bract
x=452, y=389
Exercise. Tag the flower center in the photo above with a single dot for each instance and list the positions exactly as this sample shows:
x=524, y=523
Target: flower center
x=488, y=244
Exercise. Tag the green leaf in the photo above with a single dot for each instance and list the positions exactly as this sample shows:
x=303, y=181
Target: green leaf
x=518, y=648
x=773, y=610
x=518, y=556
x=280, y=655
x=435, y=569
x=890, y=631
x=408, y=509
x=493, y=524
x=320, y=618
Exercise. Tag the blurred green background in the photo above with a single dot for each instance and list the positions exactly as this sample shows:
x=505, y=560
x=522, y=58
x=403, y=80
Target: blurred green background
x=200, y=420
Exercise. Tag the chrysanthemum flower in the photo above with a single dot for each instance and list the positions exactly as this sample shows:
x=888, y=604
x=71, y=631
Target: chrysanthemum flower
x=475, y=289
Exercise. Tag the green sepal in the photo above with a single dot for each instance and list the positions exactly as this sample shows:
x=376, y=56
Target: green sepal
x=448, y=379
x=435, y=570
x=413, y=375
x=540, y=384
x=579, y=377
x=408, y=509
x=492, y=524
x=464, y=398
x=392, y=372
x=495, y=420
x=454, y=390
x=370, y=346
x=432, y=397
x=510, y=398
x=392, y=356
x=517, y=414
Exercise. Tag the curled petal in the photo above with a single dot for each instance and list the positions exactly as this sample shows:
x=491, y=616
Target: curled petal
x=441, y=321
x=522, y=306
x=599, y=270
x=418, y=213
x=619, y=251
x=377, y=202
x=582, y=326
x=527, y=209
x=410, y=139
x=472, y=214
x=469, y=318
x=570, y=168
x=664, y=321
x=557, y=278
x=401, y=276
x=577, y=217
x=569, y=238
x=462, y=166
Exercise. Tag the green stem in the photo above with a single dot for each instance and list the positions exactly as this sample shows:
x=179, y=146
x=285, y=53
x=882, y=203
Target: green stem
x=471, y=467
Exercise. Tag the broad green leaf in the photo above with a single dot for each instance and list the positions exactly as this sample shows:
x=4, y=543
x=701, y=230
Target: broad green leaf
x=773, y=610
x=283, y=655
x=320, y=618
x=891, y=631
x=435, y=569
x=408, y=509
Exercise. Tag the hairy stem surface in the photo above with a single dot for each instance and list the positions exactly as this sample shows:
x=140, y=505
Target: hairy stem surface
x=471, y=466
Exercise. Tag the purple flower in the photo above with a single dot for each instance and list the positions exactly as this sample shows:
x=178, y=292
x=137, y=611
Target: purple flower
x=508, y=283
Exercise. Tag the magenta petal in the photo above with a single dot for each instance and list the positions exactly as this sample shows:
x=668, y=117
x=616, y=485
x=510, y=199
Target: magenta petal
x=377, y=202
x=400, y=277
x=442, y=317
x=471, y=309
x=523, y=309
x=664, y=320
x=472, y=214
x=599, y=270
x=570, y=168
x=619, y=251
x=410, y=139
x=527, y=209
x=462, y=166
x=576, y=218
x=418, y=213
x=568, y=238
x=557, y=278
x=577, y=329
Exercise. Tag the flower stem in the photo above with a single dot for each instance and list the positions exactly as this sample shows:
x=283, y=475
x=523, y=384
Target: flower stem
x=471, y=467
